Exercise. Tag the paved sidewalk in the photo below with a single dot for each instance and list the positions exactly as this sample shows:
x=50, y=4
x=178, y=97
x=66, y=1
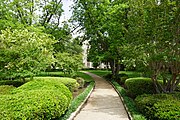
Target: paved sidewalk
x=103, y=104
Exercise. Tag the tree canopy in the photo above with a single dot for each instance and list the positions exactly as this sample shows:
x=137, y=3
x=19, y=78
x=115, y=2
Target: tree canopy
x=141, y=33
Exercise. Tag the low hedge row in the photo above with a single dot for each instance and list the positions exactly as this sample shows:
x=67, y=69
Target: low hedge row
x=138, y=86
x=77, y=101
x=160, y=106
x=37, y=100
x=47, y=84
x=69, y=82
x=136, y=115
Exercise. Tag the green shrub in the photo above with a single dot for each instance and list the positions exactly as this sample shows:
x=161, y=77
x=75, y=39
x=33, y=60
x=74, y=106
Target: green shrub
x=69, y=82
x=5, y=89
x=33, y=105
x=53, y=84
x=80, y=81
x=37, y=100
x=138, y=86
x=159, y=106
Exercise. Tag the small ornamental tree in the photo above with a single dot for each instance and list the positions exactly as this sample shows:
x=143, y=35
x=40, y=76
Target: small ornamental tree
x=69, y=63
x=23, y=52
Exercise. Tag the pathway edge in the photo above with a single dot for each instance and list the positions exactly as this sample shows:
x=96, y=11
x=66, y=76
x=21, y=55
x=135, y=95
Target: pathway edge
x=122, y=99
x=81, y=105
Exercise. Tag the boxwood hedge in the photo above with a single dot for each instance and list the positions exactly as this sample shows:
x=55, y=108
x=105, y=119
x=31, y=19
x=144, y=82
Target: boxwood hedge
x=37, y=100
x=139, y=85
x=6, y=89
x=160, y=106
x=34, y=105
x=69, y=82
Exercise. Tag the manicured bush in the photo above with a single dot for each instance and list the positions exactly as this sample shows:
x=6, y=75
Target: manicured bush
x=159, y=106
x=33, y=105
x=69, y=82
x=5, y=89
x=53, y=84
x=36, y=100
x=138, y=86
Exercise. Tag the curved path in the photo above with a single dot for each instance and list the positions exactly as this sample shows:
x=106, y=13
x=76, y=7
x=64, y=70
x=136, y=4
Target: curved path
x=103, y=104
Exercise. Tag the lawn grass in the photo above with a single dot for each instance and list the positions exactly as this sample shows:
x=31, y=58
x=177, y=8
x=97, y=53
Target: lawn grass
x=86, y=77
x=99, y=72
x=131, y=74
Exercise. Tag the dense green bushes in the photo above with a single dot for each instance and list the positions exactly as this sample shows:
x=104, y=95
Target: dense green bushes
x=138, y=86
x=160, y=106
x=53, y=84
x=34, y=105
x=69, y=82
x=37, y=100
x=6, y=89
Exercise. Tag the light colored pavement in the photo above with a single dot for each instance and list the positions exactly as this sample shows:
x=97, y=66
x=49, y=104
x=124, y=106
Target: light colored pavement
x=103, y=104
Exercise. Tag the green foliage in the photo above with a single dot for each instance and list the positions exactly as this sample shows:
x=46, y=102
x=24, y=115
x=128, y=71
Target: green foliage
x=6, y=89
x=41, y=81
x=77, y=101
x=51, y=74
x=159, y=106
x=138, y=86
x=70, y=63
x=33, y=104
x=129, y=103
x=81, y=82
x=24, y=53
x=37, y=99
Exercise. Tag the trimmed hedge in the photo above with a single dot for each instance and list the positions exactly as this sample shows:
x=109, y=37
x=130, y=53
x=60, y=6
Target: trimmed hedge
x=138, y=86
x=160, y=106
x=34, y=105
x=5, y=89
x=136, y=115
x=44, y=85
x=69, y=82
x=37, y=100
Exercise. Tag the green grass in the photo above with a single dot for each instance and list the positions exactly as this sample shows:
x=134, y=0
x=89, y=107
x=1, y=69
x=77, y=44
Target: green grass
x=131, y=74
x=53, y=74
x=99, y=72
x=86, y=77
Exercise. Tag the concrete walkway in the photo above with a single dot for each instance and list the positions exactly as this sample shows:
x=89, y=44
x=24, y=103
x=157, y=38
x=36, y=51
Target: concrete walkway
x=103, y=104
